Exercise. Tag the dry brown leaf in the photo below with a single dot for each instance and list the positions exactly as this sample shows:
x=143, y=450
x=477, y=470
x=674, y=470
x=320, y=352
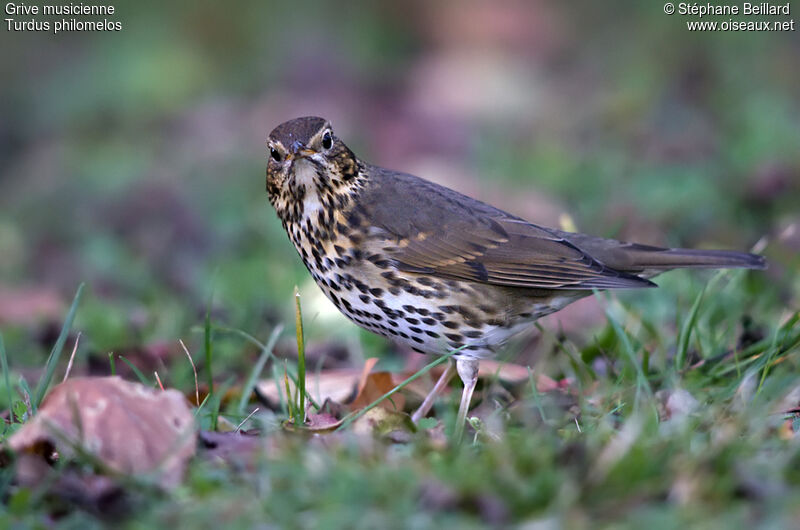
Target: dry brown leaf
x=98, y=494
x=334, y=385
x=127, y=427
x=235, y=450
x=359, y=388
x=376, y=385
x=373, y=385
x=323, y=422
x=369, y=364
x=394, y=426
x=508, y=373
x=325, y=387
x=515, y=374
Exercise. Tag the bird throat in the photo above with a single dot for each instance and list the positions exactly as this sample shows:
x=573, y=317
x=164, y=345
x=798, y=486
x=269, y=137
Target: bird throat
x=307, y=181
x=318, y=211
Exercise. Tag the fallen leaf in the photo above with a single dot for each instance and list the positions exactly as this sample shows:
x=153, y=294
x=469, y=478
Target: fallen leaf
x=373, y=385
x=97, y=494
x=335, y=385
x=394, y=426
x=323, y=422
x=514, y=374
x=235, y=450
x=369, y=364
x=355, y=389
x=126, y=427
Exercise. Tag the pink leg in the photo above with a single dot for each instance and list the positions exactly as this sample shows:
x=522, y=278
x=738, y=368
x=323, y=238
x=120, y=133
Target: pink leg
x=468, y=371
x=423, y=409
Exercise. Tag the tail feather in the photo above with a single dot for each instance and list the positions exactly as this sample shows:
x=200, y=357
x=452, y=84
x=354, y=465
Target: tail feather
x=647, y=261
x=653, y=257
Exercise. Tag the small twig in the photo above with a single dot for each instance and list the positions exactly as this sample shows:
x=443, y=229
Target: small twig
x=194, y=369
x=247, y=418
x=72, y=357
x=159, y=381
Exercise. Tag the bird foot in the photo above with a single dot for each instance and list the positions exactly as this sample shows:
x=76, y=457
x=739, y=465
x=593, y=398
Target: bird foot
x=468, y=372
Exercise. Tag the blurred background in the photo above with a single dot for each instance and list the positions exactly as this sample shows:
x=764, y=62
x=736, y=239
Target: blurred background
x=134, y=160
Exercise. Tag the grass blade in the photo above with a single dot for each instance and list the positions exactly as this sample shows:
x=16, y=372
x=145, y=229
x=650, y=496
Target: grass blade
x=200, y=407
x=276, y=378
x=26, y=398
x=642, y=384
x=4, y=361
x=537, y=398
x=139, y=375
x=255, y=373
x=289, y=404
x=777, y=347
x=243, y=334
x=55, y=353
x=754, y=355
x=207, y=346
x=251, y=339
x=686, y=332
x=771, y=353
x=217, y=403
x=301, y=360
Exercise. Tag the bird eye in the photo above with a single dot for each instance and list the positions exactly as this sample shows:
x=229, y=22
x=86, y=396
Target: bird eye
x=276, y=156
x=327, y=140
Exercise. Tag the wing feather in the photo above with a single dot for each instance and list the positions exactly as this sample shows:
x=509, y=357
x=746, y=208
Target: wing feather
x=427, y=228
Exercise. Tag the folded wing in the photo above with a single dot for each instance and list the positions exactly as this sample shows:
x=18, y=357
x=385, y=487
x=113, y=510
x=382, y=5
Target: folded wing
x=433, y=230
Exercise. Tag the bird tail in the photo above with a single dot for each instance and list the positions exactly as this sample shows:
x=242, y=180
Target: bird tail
x=660, y=259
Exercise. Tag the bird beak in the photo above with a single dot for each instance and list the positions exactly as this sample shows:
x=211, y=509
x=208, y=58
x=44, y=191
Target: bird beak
x=301, y=151
x=305, y=152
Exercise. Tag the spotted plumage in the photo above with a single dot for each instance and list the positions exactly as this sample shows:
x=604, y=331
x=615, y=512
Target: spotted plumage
x=424, y=265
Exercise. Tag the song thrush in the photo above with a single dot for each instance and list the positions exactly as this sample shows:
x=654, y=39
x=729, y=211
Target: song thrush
x=422, y=264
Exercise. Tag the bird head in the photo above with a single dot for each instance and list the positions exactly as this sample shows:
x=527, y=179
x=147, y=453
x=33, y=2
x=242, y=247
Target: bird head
x=307, y=163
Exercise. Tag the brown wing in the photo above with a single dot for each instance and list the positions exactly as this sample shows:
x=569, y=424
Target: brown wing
x=427, y=228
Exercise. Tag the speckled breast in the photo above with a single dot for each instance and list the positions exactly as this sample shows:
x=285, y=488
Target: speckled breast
x=429, y=314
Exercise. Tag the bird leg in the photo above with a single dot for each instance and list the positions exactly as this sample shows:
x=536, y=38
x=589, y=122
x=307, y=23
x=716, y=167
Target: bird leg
x=468, y=372
x=423, y=409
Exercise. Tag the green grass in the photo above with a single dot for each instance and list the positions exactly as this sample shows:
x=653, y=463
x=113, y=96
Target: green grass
x=258, y=368
x=299, y=415
x=666, y=444
x=55, y=353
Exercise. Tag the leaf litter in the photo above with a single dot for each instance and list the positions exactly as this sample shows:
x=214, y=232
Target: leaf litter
x=95, y=436
x=344, y=392
x=121, y=428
